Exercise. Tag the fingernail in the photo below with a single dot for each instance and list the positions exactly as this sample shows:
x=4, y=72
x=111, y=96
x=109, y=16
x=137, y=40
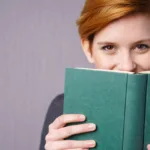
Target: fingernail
x=91, y=126
x=91, y=143
x=82, y=117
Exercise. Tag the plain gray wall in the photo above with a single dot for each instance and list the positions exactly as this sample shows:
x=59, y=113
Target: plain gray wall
x=38, y=40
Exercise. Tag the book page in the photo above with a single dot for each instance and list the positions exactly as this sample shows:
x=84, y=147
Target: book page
x=117, y=71
x=145, y=72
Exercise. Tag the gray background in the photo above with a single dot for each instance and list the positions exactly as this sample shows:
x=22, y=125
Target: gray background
x=38, y=40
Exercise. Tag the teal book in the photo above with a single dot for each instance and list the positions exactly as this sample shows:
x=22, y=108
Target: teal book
x=117, y=102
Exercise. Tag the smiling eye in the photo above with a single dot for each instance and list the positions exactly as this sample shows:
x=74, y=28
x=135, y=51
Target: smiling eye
x=142, y=48
x=109, y=49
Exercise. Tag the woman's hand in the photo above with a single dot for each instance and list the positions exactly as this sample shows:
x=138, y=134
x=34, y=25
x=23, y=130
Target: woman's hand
x=58, y=132
x=148, y=147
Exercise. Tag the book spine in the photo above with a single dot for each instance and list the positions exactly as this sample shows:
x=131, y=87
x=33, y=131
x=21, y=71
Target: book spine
x=147, y=116
x=134, y=112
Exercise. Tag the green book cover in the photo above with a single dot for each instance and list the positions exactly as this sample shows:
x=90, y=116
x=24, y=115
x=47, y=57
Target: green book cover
x=147, y=115
x=117, y=102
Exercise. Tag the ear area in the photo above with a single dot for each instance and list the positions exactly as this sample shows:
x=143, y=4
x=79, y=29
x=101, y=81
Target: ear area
x=87, y=51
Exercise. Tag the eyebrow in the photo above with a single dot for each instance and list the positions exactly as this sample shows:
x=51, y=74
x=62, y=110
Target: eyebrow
x=107, y=42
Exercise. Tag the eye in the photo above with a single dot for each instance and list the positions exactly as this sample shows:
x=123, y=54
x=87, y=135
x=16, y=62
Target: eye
x=142, y=48
x=108, y=49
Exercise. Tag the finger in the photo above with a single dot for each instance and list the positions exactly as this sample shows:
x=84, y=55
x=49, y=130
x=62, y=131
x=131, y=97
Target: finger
x=78, y=149
x=68, y=131
x=69, y=144
x=62, y=120
x=148, y=147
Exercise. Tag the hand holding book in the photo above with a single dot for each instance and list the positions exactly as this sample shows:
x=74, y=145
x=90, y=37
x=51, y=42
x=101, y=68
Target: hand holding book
x=117, y=102
x=57, y=133
x=55, y=138
x=119, y=109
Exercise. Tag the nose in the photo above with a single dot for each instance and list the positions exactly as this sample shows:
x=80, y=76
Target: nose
x=127, y=64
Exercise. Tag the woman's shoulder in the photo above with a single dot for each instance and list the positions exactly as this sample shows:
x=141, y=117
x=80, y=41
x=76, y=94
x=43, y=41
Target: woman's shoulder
x=55, y=109
x=58, y=100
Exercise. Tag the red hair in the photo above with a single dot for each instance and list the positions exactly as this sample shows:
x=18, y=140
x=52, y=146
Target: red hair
x=97, y=14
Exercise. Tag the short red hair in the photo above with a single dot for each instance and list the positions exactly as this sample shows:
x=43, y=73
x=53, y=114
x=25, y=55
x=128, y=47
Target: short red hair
x=97, y=14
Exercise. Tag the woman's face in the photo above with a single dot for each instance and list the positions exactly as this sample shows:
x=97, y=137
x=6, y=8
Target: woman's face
x=123, y=45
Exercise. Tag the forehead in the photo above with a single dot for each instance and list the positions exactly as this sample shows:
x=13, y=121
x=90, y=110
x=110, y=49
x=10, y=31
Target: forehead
x=129, y=28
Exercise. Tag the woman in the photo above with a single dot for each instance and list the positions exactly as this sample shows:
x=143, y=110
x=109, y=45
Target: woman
x=115, y=35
